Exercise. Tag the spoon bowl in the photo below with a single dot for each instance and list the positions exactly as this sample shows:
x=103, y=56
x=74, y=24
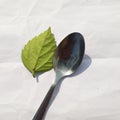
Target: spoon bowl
x=68, y=57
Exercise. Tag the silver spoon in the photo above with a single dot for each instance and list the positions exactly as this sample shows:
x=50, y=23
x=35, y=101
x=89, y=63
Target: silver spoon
x=67, y=59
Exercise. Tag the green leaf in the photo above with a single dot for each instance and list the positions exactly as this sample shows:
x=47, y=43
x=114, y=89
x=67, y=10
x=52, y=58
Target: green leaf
x=38, y=53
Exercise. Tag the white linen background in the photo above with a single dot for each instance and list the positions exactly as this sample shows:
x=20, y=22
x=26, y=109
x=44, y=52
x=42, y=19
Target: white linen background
x=94, y=94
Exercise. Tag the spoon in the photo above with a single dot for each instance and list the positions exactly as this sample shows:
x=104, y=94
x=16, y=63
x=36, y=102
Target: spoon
x=68, y=57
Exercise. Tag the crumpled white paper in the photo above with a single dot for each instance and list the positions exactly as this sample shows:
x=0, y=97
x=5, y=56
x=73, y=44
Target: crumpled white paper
x=93, y=93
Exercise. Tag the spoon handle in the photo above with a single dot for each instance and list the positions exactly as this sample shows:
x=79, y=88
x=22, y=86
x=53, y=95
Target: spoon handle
x=43, y=107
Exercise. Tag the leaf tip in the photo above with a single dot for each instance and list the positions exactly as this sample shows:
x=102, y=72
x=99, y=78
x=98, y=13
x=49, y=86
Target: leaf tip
x=49, y=28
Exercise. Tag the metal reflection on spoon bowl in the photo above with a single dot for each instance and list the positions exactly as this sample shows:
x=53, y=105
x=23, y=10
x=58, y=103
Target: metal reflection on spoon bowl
x=68, y=55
